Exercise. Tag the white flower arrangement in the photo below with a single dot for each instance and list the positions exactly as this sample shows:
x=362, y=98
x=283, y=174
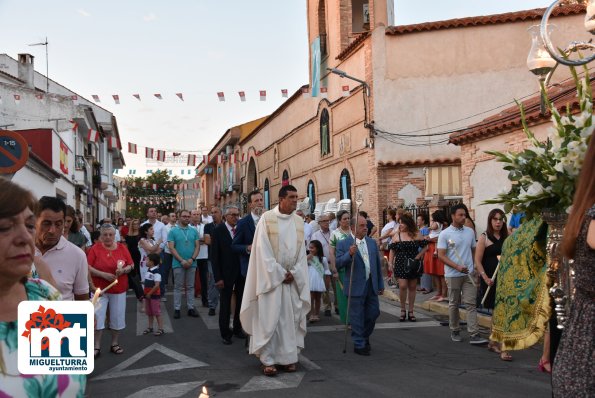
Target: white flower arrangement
x=543, y=176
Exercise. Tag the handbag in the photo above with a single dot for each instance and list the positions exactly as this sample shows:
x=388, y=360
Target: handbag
x=413, y=266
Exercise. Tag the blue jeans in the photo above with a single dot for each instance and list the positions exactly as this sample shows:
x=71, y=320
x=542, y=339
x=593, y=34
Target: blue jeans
x=363, y=312
x=165, y=268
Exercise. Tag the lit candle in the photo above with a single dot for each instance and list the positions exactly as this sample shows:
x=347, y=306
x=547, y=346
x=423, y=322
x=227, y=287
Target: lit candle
x=204, y=393
x=96, y=297
x=109, y=286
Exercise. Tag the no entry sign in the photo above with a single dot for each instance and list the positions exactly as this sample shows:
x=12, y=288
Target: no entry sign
x=14, y=152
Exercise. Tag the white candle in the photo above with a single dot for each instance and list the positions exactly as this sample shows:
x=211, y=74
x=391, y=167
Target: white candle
x=96, y=297
x=204, y=393
x=110, y=286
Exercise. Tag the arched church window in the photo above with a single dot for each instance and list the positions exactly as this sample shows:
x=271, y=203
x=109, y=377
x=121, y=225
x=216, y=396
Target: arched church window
x=325, y=141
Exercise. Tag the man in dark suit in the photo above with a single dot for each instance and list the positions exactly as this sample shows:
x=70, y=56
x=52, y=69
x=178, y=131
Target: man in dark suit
x=242, y=241
x=226, y=270
x=366, y=285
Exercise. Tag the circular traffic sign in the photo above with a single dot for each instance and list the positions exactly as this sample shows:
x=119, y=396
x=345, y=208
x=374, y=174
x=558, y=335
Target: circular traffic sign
x=14, y=152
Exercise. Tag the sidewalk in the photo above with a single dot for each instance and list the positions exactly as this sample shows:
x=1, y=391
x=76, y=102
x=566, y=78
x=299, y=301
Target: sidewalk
x=423, y=302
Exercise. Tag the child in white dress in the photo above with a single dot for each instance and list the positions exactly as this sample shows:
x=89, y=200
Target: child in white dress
x=317, y=269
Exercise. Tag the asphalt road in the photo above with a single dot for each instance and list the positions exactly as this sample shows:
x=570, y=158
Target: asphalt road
x=408, y=360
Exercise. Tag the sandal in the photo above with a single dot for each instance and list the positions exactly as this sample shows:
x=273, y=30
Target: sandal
x=159, y=332
x=97, y=353
x=403, y=317
x=288, y=368
x=116, y=349
x=542, y=366
x=269, y=371
x=148, y=330
x=505, y=356
x=411, y=317
x=494, y=347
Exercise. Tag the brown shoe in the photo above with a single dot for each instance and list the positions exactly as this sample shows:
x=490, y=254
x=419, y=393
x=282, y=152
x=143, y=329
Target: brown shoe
x=288, y=368
x=269, y=371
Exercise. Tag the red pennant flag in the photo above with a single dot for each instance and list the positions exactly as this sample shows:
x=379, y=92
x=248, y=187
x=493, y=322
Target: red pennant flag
x=74, y=97
x=221, y=96
x=75, y=126
x=149, y=153
x=306, y=91
x=155, y=187
x=263, y=95
x=323, y=92
x=95, y=98
x=242, y=96
x=137, y=96
x=116, y=99
x=180, y=96
x=39, y=96
x=284, y=93
x=93, y=135
x=160, y=156
x=131, y=147
x=112, y=143
x=17, y=98
x=191, y=160
x=345, y=91
x=145, y=183
x=158, y=96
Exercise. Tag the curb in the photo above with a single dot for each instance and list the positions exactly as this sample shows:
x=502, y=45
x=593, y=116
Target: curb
x=484, y=321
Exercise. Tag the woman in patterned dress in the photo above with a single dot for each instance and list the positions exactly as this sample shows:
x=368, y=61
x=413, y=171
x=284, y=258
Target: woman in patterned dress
x=343, y=231
x=405, y=247
x=573, y=373
x=17, y=247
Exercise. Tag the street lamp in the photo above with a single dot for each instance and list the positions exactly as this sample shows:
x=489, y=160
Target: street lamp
x=344, y=74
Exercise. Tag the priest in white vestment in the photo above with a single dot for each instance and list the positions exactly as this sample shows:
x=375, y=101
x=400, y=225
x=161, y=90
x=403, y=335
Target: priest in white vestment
x=277, y=294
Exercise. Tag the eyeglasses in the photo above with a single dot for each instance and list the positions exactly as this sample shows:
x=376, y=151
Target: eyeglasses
x=498, y=219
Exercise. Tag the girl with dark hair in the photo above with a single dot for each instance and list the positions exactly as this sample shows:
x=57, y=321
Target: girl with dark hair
x=432, y=264
x=317, y=269
x=574, y=373
x=405, y=256
x=146, y=245
x=487, y=253
x=72, y=229
x=468, y=221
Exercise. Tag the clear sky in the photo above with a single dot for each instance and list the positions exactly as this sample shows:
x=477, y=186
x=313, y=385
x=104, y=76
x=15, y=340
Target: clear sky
x=196, y=47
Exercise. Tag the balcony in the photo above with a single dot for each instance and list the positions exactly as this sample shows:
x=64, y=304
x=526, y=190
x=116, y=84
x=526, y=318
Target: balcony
x=109, y=192
x=79, y=178
x=104, y=182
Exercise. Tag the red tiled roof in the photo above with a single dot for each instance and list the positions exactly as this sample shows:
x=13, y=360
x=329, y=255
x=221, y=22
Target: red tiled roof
x=420, y=162
x=510, y=119
x=517, y=16
x=352, y=46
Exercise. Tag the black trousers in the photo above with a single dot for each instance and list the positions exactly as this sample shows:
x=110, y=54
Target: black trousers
x=203, y=271
x=225, y=307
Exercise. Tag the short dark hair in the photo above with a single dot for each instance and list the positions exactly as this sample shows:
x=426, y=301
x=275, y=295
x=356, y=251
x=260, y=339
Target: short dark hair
x=52, y=203
x=287, y=188
x=155, y=258
x=251, y=194
x=144, y=230
x=460, y=206
x=363, y=214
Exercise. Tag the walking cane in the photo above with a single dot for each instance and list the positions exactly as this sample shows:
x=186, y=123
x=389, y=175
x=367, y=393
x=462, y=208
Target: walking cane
x=359, y=199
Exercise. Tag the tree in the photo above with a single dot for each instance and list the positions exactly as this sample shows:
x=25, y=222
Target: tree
x=155, y=190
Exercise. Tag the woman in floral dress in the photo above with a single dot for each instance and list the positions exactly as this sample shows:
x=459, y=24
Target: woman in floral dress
x=17, y=247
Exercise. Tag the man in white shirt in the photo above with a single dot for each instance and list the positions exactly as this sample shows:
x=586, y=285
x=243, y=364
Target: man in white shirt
x=206, y=217
x=202, y=258
x=66, y=261
x=323, y=235
x=456, y=249
x=165, y=267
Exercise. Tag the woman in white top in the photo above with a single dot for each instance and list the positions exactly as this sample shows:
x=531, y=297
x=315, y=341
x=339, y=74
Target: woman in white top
x=147, y=245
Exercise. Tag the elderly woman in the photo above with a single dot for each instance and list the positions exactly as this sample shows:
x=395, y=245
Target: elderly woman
x=108, y=261
x=17, y=248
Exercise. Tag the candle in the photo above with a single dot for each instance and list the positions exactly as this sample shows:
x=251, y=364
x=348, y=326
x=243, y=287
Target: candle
x=96, y=297
x=109, y=286
x=204, y=393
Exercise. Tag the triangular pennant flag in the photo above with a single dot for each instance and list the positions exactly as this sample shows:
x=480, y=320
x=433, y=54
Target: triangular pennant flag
x=39, y=96
x=74, y=97
x=191, y=160
x=93, y=135
x=160, y=156
x=158, y=96
x=323, y=92
x=75, y=126
x=263, y=95
x=284, y=93
x=131, y=147
x=149, y=153
x=306, y=91
x=180, y=96
x=242, y=96
x=345, y=91
x=112, y=143
x=116, y=99
x=95, y=98
x=17, y=99
x=221, y=96
x=137, y=96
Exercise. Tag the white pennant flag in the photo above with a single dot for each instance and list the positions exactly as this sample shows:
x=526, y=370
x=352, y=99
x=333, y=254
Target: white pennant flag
x=242, y=96
x=221, y=96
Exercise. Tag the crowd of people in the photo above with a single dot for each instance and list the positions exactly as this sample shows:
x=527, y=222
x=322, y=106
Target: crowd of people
x=276, y=270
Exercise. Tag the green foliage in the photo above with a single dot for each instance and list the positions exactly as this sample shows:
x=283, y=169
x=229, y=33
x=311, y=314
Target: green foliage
x=139, y=188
